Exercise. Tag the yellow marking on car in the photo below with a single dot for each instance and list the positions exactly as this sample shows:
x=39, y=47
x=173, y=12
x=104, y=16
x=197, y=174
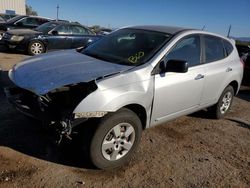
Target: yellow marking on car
x=136, y=57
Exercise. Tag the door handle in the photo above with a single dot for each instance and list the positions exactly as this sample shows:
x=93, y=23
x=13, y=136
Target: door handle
x=199, y=76
x=229, y=69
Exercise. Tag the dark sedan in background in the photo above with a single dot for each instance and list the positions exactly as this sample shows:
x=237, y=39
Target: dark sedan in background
x=244, y=53
x=2, y=20
x=7, y=17
x=21, y=22
x=49, y=36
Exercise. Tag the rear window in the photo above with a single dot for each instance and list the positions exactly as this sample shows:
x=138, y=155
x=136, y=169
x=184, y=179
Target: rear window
x=228, y=47
x=214, y=49
x=41, y=21
x=78, y=30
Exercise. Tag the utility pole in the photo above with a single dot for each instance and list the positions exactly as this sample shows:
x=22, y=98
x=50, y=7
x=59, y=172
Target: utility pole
x=229, y=30
x=57, y=12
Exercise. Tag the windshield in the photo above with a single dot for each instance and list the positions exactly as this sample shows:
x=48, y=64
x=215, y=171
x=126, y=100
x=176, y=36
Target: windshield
x=45, y=28
x=127, y=46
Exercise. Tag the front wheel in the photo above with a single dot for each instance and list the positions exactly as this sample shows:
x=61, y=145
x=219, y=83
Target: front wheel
x=36, y=47
x=115, y=139
x=224, y=104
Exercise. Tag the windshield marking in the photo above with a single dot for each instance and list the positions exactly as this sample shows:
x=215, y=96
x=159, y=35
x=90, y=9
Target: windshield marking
x=136, y=57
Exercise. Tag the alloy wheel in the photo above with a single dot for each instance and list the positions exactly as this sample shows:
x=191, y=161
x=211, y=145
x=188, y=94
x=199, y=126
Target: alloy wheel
x=226, y=102
x=36, y=48
x=118, y=141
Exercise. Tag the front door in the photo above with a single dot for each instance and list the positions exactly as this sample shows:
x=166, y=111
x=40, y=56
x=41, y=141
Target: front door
x=178, y=93
x=61, y=40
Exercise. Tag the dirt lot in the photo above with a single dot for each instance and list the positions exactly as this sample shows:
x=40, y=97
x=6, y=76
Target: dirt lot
x=192, y=151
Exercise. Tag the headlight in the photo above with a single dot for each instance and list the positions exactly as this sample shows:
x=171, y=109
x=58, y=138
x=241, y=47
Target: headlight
x=17, y=38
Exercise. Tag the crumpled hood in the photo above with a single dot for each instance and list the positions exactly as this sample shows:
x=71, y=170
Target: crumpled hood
x=23, y=32
x=46, y=72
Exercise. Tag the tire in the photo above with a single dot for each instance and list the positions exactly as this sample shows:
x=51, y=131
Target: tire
x=36, y=47
x=224, y=104
x=110, y=147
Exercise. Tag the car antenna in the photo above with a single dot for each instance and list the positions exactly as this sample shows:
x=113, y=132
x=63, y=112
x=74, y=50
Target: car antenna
x=229, y=30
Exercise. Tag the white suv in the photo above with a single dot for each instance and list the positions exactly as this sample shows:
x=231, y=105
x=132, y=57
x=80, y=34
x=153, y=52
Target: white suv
x=131, y=79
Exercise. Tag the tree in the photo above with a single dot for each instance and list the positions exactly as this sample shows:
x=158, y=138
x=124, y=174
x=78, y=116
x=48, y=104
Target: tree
x=30, y=11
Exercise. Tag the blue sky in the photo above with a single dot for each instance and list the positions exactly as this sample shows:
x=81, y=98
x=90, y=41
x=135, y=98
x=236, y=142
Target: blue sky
x=216, y=15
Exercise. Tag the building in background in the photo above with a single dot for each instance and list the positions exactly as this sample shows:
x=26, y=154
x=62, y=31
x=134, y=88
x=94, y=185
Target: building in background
x=12, y=7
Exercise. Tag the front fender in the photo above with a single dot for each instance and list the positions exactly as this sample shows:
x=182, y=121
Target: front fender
x=40, y=39
x=110, y=100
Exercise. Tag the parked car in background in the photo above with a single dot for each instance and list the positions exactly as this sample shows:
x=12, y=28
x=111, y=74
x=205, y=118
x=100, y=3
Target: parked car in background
x=244, y=53
x=101, y=30
x=22, y=22
x=2, y=20
x=243, y=49
x=105, y=31
x=132, y=79
x=49, y=36
x=7, y=17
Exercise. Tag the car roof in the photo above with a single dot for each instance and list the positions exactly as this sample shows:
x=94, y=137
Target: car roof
x=164, y=29
x=67, y=23
x=31, y=16
x=19, y=17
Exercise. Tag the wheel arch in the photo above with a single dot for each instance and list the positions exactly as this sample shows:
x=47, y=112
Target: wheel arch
x=34, y=40
x=235, y=86
x=140, y=111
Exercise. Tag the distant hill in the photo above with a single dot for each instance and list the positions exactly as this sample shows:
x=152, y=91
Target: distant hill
x=244, y=39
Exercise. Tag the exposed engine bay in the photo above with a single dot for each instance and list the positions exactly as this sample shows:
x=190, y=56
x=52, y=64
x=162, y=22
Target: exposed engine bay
x=54, y=108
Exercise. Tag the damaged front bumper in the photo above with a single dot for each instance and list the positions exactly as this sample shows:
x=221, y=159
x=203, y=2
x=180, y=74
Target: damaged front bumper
x=14, y=97
x=48, y=109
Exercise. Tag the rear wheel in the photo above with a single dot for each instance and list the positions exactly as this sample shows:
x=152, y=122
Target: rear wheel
x=224, y=104
x=36, y=47
x=115, y=139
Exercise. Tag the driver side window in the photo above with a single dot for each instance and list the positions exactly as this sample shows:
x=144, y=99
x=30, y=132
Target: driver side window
x=187, y=49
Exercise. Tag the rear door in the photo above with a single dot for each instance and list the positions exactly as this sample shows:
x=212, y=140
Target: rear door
x=217, y=68
x=80, y=36
x=177, y=93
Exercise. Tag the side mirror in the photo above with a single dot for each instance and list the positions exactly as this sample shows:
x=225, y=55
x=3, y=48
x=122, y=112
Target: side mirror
x=174, y=65
x=54, y=32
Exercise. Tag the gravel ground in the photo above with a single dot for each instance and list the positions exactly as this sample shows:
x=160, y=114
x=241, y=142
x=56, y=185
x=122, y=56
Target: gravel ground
x=192, y=151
